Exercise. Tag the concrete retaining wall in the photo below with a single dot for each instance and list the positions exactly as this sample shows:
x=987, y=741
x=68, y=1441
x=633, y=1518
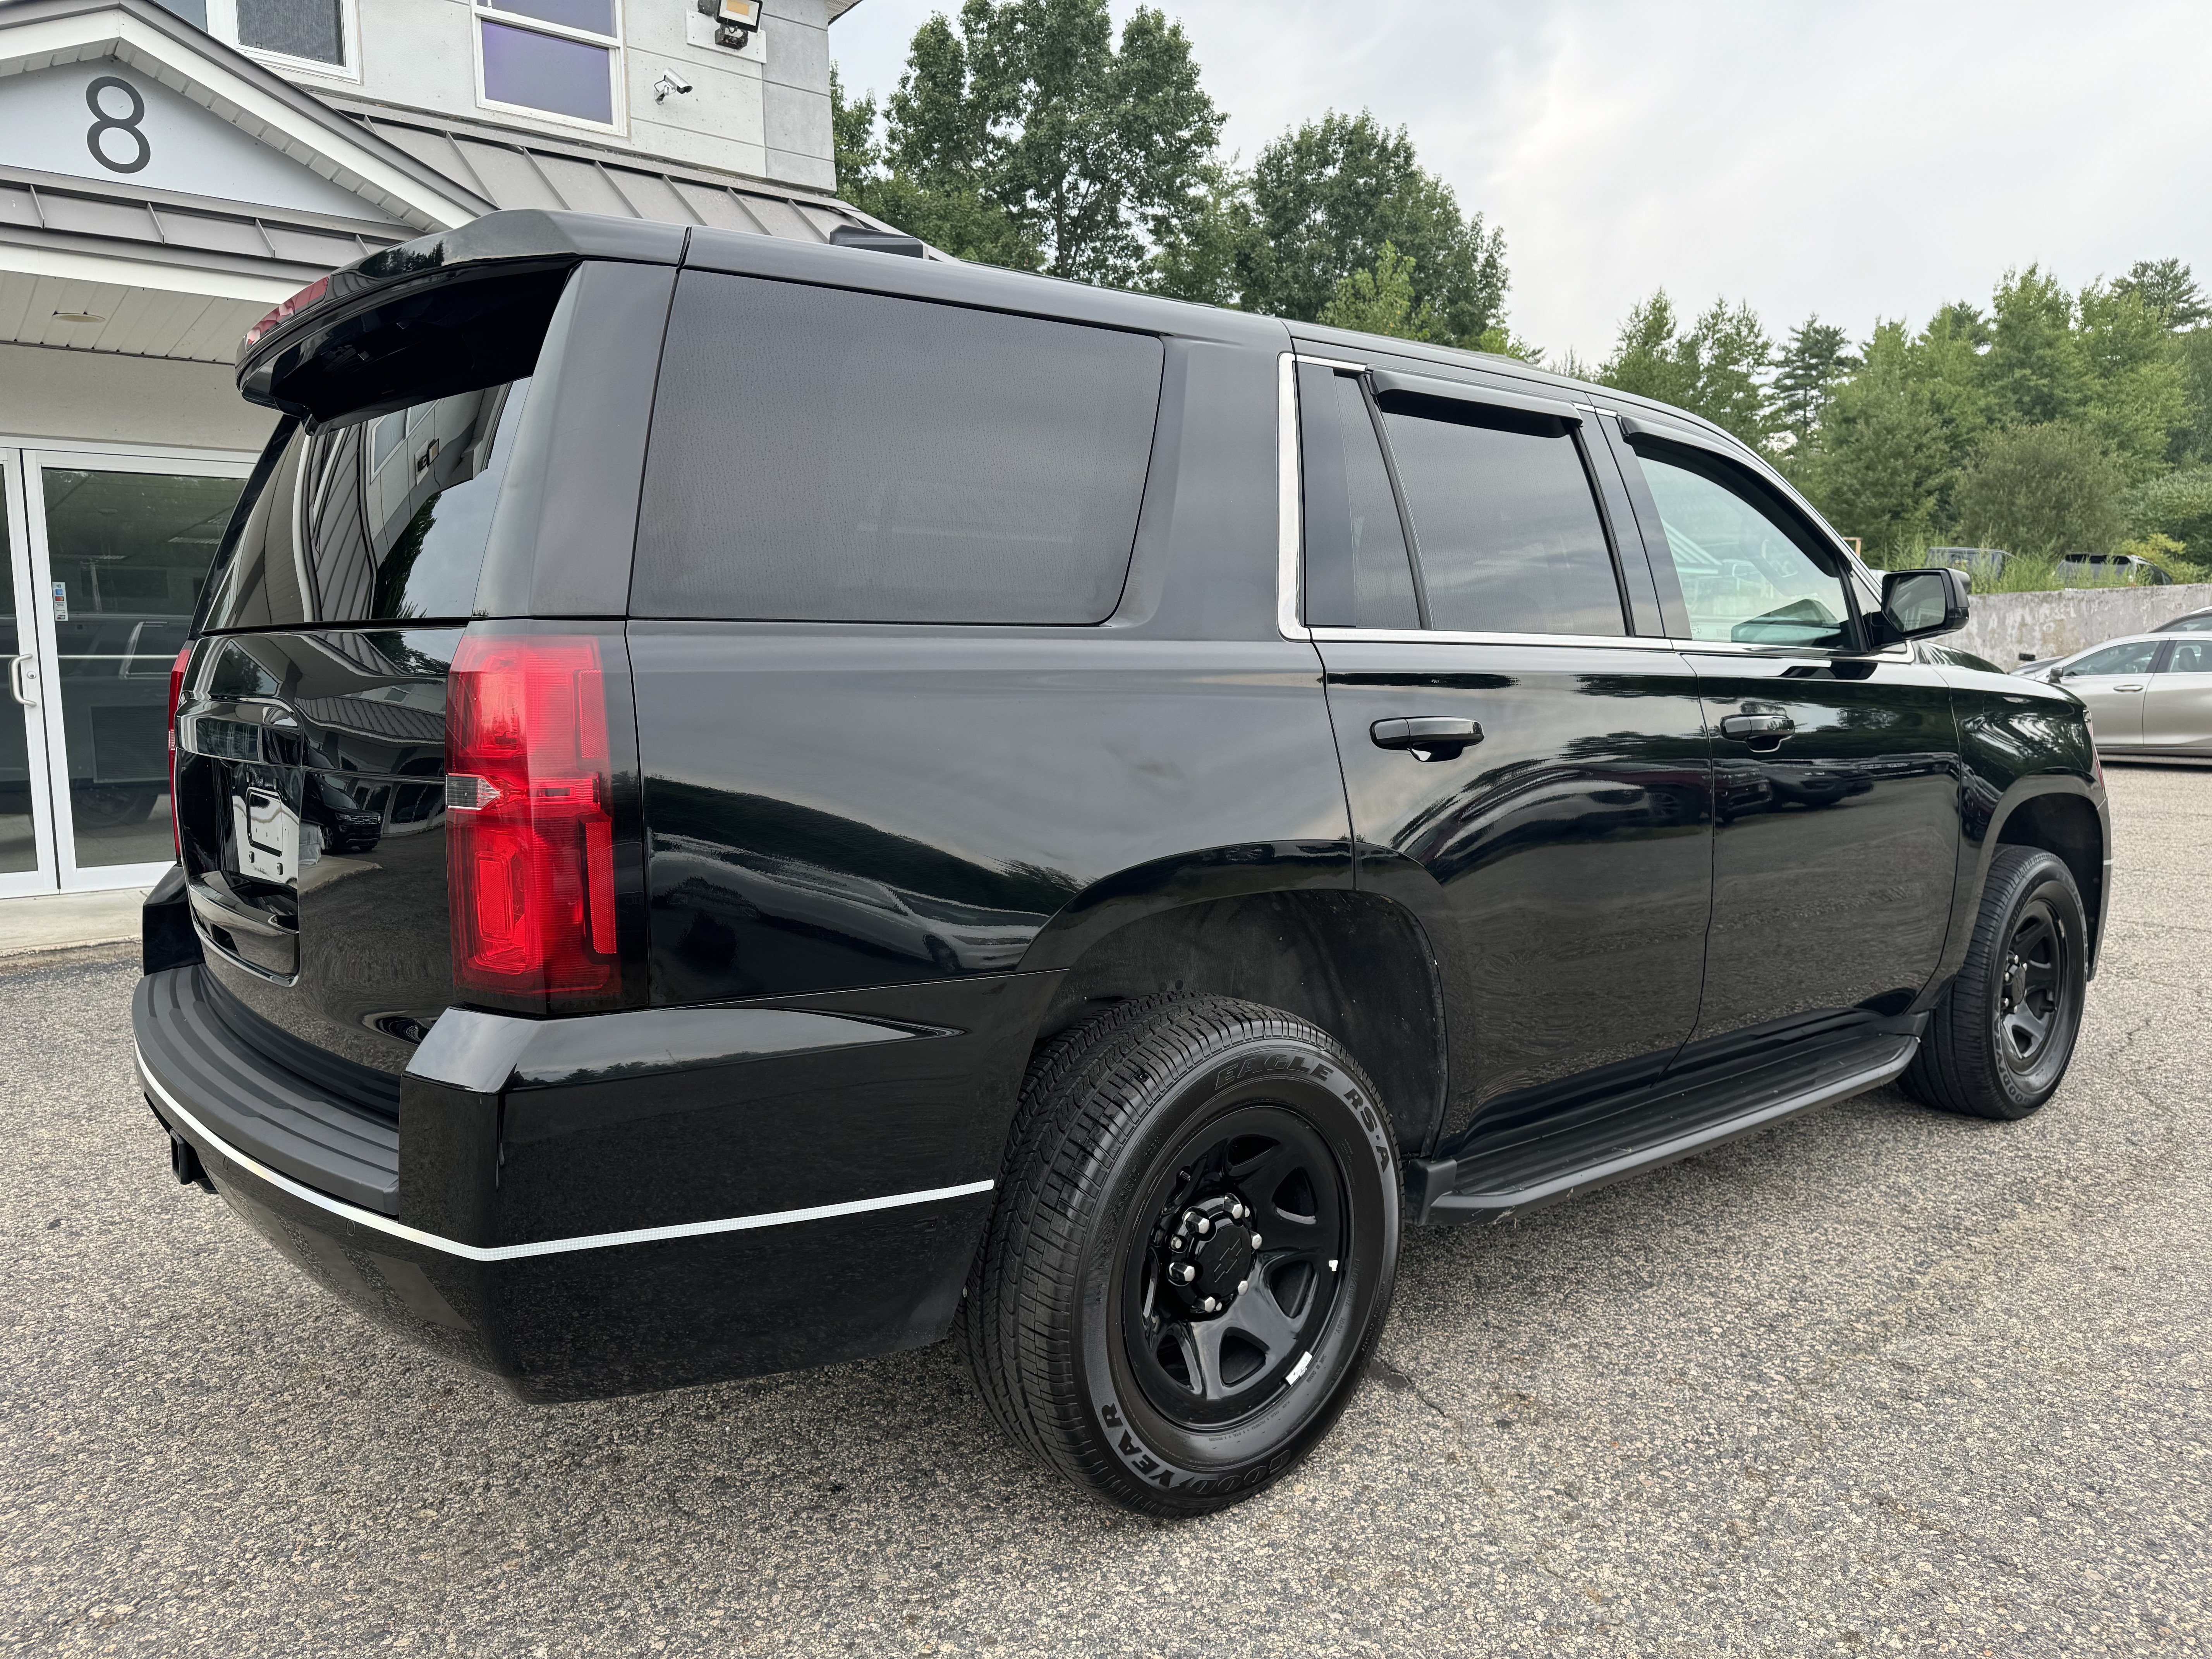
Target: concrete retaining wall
x=2009, y=628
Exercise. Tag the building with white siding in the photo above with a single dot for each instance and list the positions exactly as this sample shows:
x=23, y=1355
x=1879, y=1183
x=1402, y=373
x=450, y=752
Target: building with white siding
x=170, y=172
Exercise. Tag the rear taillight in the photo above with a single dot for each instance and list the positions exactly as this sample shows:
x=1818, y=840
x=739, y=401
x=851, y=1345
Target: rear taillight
x=287, y=310
x=176, y=696
x=530, y=856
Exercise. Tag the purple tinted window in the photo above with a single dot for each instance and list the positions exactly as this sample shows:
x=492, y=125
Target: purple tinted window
x=597, y=15
x=545, y=71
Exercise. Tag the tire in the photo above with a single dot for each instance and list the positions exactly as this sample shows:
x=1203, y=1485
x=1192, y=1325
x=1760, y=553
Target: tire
x=2000, y=1041
x=1165, y=1112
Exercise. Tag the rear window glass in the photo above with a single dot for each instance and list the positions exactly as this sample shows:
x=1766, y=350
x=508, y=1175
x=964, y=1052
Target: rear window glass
x=822, y=455
x=380, y=521
x=1505, y=527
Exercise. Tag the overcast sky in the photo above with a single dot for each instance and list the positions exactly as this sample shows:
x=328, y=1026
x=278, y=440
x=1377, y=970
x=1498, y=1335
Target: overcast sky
x=1855, y=159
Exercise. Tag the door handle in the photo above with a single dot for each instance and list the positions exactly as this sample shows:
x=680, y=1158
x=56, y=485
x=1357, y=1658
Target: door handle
x=1430, y=737
x=1758, y=730
x=23, y=680
x=2127, y=688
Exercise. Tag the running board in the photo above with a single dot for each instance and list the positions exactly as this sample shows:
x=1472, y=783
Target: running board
x=1659, y=1125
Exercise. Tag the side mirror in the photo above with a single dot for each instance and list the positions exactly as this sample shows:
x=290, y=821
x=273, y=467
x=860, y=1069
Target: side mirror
x=1915, y=604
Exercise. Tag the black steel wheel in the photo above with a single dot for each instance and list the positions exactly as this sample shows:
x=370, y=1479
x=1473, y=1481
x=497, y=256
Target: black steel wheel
x=1238, y=1270
x=1192, y=1254
x=1999, y=1042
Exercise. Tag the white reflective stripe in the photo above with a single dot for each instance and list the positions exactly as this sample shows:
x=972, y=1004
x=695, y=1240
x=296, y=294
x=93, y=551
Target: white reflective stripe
x=383, y=1224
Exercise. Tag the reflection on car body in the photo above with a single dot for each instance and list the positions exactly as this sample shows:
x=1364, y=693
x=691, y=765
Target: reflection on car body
x=792, y=893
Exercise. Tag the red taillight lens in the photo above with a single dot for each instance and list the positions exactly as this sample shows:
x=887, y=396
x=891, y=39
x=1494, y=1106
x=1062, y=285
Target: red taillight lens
x=176, y=696
x=288, y=309
x=530, y=850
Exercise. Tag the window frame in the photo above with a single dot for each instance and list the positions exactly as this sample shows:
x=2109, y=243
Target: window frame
x=483, y=11
x=1709, y=459
x=223, y=23
x=1377, y=382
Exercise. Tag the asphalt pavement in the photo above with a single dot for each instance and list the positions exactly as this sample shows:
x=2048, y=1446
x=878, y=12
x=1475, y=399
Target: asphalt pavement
x=1878, y=1380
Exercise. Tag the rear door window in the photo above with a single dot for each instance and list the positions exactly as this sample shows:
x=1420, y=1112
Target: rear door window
x=819, y=455
x=1505, y=525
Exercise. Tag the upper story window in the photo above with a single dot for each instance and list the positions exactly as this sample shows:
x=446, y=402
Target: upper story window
x=319, y=35
x=560, y=59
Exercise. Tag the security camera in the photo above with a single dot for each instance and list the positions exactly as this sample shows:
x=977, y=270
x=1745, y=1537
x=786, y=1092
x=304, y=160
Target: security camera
x=667, y=84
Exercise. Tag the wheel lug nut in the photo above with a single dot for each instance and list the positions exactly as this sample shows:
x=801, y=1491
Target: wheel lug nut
x=1256, y=1241
x=1241, y=1284
x=1203, y=1226
x=1235, y=1211
x=1210, y=1305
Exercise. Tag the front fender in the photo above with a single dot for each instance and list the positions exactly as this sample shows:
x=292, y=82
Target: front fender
x=2020, y=746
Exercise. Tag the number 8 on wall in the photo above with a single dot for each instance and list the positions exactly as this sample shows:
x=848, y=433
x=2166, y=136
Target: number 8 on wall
x=103, y=123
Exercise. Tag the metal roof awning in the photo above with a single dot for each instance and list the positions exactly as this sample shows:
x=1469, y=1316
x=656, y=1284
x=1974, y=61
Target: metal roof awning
x=509, y=172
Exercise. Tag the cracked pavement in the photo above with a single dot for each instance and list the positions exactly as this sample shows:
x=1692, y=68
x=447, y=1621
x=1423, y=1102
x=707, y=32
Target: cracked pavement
x=1878, y=1379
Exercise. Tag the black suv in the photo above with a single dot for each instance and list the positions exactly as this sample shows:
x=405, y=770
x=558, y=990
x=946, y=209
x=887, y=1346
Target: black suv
x=742, y=804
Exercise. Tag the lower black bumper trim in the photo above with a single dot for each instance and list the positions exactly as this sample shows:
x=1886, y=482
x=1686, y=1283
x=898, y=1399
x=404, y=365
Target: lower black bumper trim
x=180, y=1118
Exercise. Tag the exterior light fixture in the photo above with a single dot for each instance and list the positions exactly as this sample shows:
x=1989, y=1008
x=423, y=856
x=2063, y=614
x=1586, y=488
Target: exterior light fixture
x=734, y=20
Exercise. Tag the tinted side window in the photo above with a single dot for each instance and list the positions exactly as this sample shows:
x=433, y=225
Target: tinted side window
x=1506, y=528
x=822, y=455
x=1352, y=524
x=396, y=514
x=1744, y=577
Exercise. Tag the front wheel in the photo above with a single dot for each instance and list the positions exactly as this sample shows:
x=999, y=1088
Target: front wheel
x=1999, y=1042
x=1192, y=1254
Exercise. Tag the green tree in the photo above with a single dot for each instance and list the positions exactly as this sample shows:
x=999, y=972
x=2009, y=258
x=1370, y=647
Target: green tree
x=1806, y=374
x=2137, y=397
x=1381, y=300
x=1715, y=369
x=2192, y=438
x=1095, y=155
x=945, y=211
x=2179, y=505
x=2036, y=370
x=1322, y=201
x=2169, y=290
x=2043, y=490
x=1881, y=460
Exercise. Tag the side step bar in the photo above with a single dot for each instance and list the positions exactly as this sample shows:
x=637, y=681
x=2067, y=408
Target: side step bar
x=1657, y=1126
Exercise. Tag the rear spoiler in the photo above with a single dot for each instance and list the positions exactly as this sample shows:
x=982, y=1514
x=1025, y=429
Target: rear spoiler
x=396, y=324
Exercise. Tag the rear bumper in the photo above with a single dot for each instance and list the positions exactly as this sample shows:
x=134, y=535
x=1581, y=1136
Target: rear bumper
x=614, y=1214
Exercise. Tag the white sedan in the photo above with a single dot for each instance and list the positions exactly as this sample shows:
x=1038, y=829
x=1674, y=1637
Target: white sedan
x=2150, y=694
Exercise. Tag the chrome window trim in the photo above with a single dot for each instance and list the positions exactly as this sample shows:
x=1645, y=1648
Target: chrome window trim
x=1290, y=511
x=1443, y=636
x=385, y=1225
x=1330, y=362
x=1901, y=653
x=1897, y=651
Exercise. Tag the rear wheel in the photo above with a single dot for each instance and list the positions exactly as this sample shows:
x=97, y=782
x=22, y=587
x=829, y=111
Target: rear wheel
x=1999, y=1042
x=1192, y=1254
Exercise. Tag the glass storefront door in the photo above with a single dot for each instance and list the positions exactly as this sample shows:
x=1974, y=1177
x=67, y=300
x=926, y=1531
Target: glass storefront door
x=119, y=549
x=26, y=840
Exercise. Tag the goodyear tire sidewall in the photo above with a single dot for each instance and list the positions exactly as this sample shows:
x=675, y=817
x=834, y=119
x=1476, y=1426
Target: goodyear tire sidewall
x=1172, y=1465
